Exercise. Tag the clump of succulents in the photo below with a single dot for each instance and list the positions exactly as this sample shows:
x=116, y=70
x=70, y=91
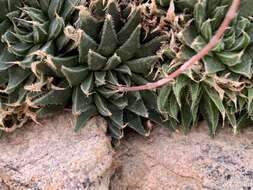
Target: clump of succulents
x=106, y=47
x=29, y=29
x=57, y=54
x=219, y=88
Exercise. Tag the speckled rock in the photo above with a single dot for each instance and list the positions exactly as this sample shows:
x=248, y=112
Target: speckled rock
x=54, y=157
x=173, y=161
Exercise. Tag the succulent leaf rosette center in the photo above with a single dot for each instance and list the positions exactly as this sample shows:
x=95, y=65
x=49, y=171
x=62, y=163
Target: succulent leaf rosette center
x=111, y=50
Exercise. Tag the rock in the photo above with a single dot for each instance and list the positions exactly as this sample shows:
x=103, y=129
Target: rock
x=54, y=157
x=173, y=161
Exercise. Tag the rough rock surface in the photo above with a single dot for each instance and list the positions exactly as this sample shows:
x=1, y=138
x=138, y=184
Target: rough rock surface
x=173, y=161
x=54, y=157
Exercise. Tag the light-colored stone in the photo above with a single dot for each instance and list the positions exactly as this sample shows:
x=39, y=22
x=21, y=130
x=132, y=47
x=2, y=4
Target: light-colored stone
x=173, y=161
x=54, y=157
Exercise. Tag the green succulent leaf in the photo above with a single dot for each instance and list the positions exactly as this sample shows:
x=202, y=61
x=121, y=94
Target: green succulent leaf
x=82, y=119
x=80, y=101
x=75, y=75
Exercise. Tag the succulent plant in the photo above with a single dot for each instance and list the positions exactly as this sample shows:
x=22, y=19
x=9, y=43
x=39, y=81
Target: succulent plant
x=29, y=29
x=108, y=48
x=219, y=88
x=231, y=55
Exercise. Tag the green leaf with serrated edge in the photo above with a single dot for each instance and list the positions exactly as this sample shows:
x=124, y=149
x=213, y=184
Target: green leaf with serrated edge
x=111, y=77
x=250, y=51
x=26, y=38
x=89, y=24
x=96, y=61
x=124, y=69
x=63, y=61
x=138, y=107
x=47, y=110
x=218, y=15
x=163, y=97
x=54, y=97
x=196, y=93
x=183, y=4
x=87, y=85
x=210, y=114
x=6, y=59
x=56, y=27
x=99, y=8
x=135, y=123
x=244, y=120
x=115, y=130
x=198, y=43
x=48, y=48
x=124, y=79
x=220, y=46
x=41, y=68
x=40, y=33
x=3, y=78
x=178, y=86
x=230, y=58
x=246, y=7
x=105, y=92
x=112, y=62
x=102, y=106
x=20, y=49
x=241, y=43
x=62, y=42
x=4, y=25
x=54, y=8
x=108, y=43
x=100, y=78
x=242, y=102
x=243, y=68
x=134, y=95
x=129, y=48
x=199, y=14
x=138, y=79
x=121, y=103
x=127, y=31
x=44, y=4
x=16, y=77
x=80, y=101
x=4, y=11
x=185, y=53
x=117, y=116
x=69, y=7
x=82, y=119
x=212, y=64
x=172, y=107
x=188, y=35
x=20, y=93
x=142, y=65
x=150, y=48
x=232, y=121
x=35, y=14
x=157, y=118
x=230, y=41
x=32, y=3
x=214, y=96
x=75, y=75
x=86, y=45
x=186, y=118
x=150, y=99
x=113, y=10
x=206, y=30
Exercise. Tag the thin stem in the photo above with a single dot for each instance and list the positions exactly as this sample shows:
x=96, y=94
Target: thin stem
x=149, y=86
